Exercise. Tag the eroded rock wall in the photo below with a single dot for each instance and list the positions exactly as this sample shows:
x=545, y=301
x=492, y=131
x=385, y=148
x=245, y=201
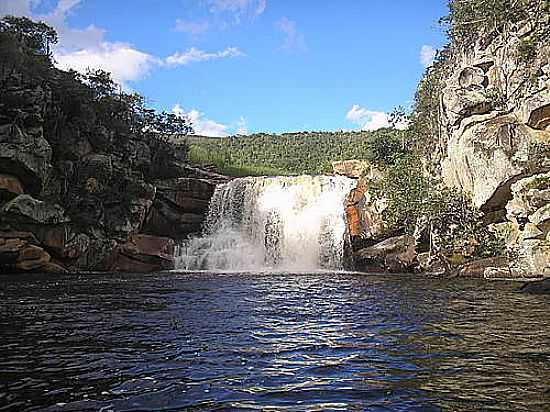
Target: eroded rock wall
x=89, y=200
x=495, y=115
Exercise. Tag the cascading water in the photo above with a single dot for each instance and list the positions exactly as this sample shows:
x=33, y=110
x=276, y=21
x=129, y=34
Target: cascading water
x=263, y=223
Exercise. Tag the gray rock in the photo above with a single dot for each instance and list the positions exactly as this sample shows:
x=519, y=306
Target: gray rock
x=25, y=208
x=25, y=156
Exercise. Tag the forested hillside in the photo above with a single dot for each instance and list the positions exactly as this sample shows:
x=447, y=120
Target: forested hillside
x=295, y=153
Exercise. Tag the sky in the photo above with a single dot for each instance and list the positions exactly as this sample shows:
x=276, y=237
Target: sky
x=246, y=66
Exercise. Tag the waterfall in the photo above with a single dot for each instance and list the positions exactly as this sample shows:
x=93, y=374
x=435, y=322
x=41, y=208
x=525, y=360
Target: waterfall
x=264, y=223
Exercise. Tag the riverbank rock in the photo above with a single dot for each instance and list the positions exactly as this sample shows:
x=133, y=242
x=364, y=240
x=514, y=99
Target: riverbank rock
x=396, y=254
x=364, y=214
x=529, y=214
x=144, y=253
x=539, y=287
x=19, y=252
x=89, y=193
x=489, y=268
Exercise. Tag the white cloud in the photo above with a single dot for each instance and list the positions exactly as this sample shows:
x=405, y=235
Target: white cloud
x=427, y=55
x=122, y=61
x=294, y=40
x=191, y=27
x=194, y=55
x=16, y=7
x=237, y=8
x=207, y=127
x=370, y=120
x=202, y=125
x=80, y=49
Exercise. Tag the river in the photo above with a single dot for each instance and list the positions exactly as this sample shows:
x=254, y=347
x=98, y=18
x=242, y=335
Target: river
x=271, y=341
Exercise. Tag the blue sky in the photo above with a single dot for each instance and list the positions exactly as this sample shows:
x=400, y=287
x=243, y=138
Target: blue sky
x=253, y=65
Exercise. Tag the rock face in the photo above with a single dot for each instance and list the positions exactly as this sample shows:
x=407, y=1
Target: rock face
x=179, y=207
x=495, y=111
x=529, y=214
x=495, y=122
x=397, y=254
x=364, y=210
x=143, y=253
x=75, y=199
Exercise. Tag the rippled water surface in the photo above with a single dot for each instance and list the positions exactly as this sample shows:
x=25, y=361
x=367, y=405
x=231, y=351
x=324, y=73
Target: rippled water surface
x=311, y=342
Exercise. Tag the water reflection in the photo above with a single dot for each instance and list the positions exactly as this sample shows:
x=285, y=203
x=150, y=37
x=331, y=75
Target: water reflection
x=271, y=342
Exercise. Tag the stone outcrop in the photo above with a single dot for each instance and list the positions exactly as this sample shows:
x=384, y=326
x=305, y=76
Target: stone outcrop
x=364, y=210
x=495, y=112
x=25, y=155
x=356, y=169
x=144, y=253
x=179, y=207
x=396, y=254
x=495, y=125
x=529, y=214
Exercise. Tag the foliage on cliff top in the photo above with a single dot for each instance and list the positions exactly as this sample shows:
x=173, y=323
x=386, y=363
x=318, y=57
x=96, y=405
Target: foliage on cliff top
x=91, y=103
x=470, y=21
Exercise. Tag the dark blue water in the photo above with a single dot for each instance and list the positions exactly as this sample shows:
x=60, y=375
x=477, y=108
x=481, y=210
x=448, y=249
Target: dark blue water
x=223, y=342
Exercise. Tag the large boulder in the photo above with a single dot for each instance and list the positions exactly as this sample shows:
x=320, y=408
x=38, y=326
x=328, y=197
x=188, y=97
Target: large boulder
x=20, y=252
x=180, y=207
x=396, y=254
x=529, y=213
x=26, y=209
x=488, y=157
x=144, y=253
x=494, y=267
x=25, y=156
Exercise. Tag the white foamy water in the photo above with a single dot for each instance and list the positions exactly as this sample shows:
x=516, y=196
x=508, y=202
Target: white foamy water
x=283, y=223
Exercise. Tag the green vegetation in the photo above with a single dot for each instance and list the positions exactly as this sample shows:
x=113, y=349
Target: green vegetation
x=294, y=153
x=473, y=20
x=445, y=219
x=89, y=104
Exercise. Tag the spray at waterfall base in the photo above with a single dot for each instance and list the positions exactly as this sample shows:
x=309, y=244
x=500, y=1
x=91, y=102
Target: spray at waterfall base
x=281, y=223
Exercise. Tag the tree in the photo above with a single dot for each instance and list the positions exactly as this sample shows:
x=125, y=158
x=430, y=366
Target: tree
x=37, y=36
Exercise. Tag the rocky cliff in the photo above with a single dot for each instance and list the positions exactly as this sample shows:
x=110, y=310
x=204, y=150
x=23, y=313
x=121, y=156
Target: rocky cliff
x=87, y=182
x=495, y=124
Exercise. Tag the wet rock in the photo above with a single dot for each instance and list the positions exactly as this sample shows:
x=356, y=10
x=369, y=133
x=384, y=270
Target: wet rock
x=539, y=287
x=477, y=268
x=428, y=263
x=180, y=207
x=144, y=253
x=32, y=258
x=396, y=254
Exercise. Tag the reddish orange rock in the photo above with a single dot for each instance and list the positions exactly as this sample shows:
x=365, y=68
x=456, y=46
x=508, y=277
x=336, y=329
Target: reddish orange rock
x=145, y=253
